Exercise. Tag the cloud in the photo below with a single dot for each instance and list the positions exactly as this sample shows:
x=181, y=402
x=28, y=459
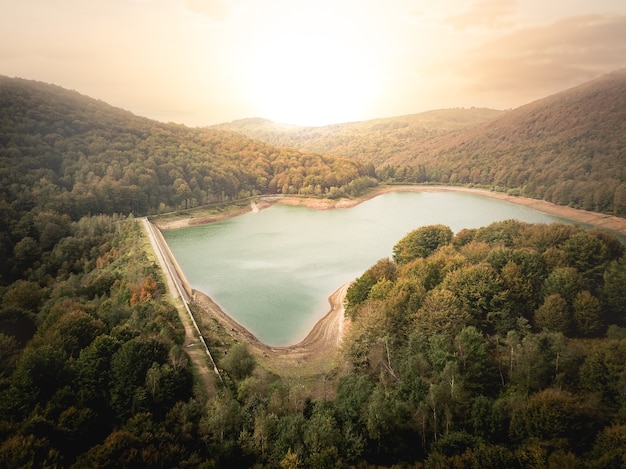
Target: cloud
x=534, y=62
x=487, y=14
x=215, y=10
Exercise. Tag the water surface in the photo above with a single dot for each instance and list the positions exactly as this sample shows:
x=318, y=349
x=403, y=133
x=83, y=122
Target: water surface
x=273, y=271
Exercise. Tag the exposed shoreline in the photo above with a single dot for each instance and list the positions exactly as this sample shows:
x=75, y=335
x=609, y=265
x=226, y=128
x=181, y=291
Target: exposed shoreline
x=600, y=220
x=320, y=343
x=325, y=337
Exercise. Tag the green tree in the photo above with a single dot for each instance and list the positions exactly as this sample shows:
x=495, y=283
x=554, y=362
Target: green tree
x=479, y=291
x=564, y=281
x=39, y=374
x=604, y=373
x=25, y=295
x=129, y=366
x=588, y=314
x=358, y=293
x=239, y=362
x=609, y=449
x=554, y=315
x=74, y=331
x=421, y=243
x=614, y=293
x=441, y=313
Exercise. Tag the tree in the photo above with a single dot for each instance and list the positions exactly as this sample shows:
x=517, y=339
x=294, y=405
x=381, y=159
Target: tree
x=421, y=243
x=357, y=293
x=441, y=313
x=322, y=439
x=129, y=366
x=39, y=374
x=604, y=373
x=353, y=395
x=564, y=281
x=551, y=414
x=588, y=254
x=554, y=315
x=478, y=289
x=588, y=314
x=614, y=293
x=479, y=374
x=74, y=331
x=239, y=362
x=25, y=295
x=609, y=449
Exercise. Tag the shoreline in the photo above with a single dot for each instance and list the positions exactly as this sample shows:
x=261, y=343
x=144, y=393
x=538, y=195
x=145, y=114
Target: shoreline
x=321, y=342
x=599, y=220
x=326, y=335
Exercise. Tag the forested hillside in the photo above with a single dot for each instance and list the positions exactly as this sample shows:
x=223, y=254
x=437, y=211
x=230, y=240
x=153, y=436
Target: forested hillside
x=90, y=349
x=569, y=148
x=373, y=141
x=503, y=346
x=64, y=156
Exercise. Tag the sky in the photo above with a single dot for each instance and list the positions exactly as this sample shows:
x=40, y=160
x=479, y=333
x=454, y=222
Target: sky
x=310, y=62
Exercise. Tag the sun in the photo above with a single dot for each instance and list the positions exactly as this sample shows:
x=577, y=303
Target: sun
x=307, y=79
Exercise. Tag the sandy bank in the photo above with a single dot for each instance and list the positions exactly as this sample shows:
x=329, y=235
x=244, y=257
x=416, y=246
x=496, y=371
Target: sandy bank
x=600, y=220
x=320, y=343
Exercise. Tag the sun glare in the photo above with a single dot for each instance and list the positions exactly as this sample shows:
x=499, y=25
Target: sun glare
x=305, y=79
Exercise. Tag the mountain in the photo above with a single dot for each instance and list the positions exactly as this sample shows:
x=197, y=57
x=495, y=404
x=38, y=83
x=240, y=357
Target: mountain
x=64, y=156
x=502, y=346
x=371, y=141
x=568, y=148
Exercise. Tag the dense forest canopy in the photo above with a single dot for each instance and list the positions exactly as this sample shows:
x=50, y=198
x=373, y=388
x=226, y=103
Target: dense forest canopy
x=502, y=346
x=495, y=347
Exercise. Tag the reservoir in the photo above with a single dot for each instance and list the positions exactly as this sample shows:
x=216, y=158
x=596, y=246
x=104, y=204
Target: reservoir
x=272, y=271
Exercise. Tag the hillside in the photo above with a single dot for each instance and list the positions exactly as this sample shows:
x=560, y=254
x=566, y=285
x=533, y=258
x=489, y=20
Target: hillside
x=64, y=155
x=371, y=141
x=568, y=148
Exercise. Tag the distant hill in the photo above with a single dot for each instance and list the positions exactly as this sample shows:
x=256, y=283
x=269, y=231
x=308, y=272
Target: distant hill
x=568, y=148
x=372, y=141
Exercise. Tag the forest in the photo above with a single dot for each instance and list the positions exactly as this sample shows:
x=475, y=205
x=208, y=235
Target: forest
x=64, y=156
x=503, y=346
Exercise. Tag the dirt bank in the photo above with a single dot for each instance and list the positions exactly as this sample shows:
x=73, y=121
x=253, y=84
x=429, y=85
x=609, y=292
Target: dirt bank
x=202, y=217
x=320, y=344
x=599, y=220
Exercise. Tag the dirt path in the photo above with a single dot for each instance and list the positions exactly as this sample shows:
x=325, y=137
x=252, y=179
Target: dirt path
x=192, y=343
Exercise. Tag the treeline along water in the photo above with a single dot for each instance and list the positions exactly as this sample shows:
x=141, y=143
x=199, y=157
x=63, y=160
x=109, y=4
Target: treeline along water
x=273, y=271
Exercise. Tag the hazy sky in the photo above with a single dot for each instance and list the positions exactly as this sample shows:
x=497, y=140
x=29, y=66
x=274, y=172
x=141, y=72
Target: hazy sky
x=310, y=62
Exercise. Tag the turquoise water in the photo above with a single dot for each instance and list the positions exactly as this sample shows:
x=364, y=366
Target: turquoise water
x=273, y=271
